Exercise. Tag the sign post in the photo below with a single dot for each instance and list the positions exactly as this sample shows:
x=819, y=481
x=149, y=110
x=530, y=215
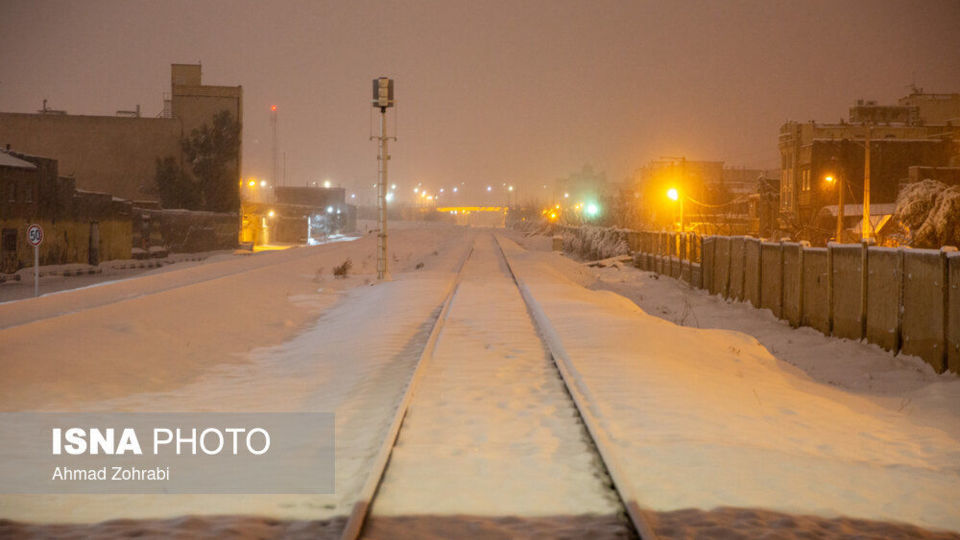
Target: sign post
x=35, y=237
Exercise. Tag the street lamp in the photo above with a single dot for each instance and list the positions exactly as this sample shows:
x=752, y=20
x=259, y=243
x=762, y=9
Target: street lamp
x=836, y=179
x=674, y=195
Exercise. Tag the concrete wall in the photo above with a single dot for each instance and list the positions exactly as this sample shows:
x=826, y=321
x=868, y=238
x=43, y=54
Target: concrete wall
x=751, y=281
x=771, y=276
x=709, y=250
x=792, y=283
x=721, y=270
x=846, y=291
x=816, y=277
x=923, y=314
x=108, y=154
x=953, y=313
x=901, y=299
x=883, y=296
x=737, y=244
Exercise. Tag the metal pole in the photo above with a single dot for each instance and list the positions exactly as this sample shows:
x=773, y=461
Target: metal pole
x=382, y=272
x=867, y=228
x=681, y=211
x=36, y=270
x=840, y=208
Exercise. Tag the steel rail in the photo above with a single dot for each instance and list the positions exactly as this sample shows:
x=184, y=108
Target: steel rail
x=615, y=470
x=361, y=508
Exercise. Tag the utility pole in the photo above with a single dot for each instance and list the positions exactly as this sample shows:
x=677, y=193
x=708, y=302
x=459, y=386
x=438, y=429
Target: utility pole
x=840, y=207
x=867, y=227
x=274, y=121
x=382, y=99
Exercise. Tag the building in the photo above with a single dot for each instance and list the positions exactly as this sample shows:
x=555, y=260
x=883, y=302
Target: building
x=919, y=131
x=716, y=198
x=118, y=154
x=79, y=226
x=298, y=215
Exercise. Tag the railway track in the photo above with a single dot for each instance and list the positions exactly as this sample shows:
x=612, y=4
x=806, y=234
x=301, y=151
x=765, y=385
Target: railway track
x=514, y=346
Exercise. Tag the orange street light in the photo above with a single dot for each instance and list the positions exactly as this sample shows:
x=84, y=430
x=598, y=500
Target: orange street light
x=674, y=195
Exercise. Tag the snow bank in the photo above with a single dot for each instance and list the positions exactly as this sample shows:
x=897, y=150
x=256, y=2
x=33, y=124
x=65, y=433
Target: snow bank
x=591, y=242
x=709, y=418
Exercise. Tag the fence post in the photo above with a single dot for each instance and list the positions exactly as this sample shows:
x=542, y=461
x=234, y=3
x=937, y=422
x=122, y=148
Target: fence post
x=802, y=271
x=898, y=335
x=782, y=284
x=726, y=285
x=830, y=288
x=864, y=277
x=759, y=273
x=945, y=294
x=743, y=270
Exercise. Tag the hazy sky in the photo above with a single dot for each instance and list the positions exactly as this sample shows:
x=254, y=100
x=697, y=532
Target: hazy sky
x=488, y=91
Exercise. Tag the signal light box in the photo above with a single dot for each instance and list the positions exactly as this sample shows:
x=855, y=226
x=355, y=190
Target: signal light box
x=383, y=92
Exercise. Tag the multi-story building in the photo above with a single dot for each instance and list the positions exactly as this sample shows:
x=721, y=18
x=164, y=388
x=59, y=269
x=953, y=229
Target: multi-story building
x=118, y=154
x=817, y=159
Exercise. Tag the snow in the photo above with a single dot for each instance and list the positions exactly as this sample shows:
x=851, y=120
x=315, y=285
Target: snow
x=705, y=418
x=491, y=430
x=787, y=421
x=931, y=212
x=268, y=332
x=6, y=160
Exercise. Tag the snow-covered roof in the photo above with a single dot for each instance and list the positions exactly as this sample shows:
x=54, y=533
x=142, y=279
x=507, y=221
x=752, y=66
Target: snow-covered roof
x=6, y=160
x=876, y=209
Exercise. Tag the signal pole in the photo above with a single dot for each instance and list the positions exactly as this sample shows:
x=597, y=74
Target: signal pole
x=274, y=121
x=382, y=99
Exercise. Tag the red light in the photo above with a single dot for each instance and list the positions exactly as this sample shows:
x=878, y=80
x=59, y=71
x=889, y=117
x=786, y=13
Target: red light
x=273, y=108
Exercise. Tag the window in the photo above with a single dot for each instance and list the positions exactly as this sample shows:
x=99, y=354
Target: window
x=805, y=184
x=12, y=192
x=28, y=192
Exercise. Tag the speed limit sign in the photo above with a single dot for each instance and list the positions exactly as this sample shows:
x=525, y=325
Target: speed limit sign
x=35, y=235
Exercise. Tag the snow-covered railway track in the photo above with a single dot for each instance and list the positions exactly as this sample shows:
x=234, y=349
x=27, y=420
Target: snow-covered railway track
x=492, y=423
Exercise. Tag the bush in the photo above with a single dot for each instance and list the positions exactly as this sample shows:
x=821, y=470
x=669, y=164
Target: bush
x=340, y=272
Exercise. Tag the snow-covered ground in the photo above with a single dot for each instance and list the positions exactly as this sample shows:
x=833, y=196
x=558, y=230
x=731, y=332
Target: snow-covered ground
x=707, y=418
x=491, y=430
x=272, y=332
x=787, y=421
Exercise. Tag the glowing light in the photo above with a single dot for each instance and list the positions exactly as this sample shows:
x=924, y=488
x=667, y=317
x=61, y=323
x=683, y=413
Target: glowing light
x=429, y=197
x=326, y=183
x=510, y=188
x=454, y=190
x=271, y=213
x=489, y=188
x=393, y=186
x=253, y=183
x=273, y=108
x=353, y=195
x=263, y=183
x=441, y=190
x=329, y=209
x=673, y=194
x=829, y=178
x=592, y=209
x=557, y=206
x=566, y=195
x=553, y=215
x=389, y=196
x=416, y=190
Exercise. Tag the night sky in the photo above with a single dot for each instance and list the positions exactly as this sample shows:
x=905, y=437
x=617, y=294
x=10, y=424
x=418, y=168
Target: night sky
x=518, y=92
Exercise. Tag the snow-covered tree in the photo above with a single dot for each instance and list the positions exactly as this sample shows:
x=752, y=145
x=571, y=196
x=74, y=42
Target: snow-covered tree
x=930, y=211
